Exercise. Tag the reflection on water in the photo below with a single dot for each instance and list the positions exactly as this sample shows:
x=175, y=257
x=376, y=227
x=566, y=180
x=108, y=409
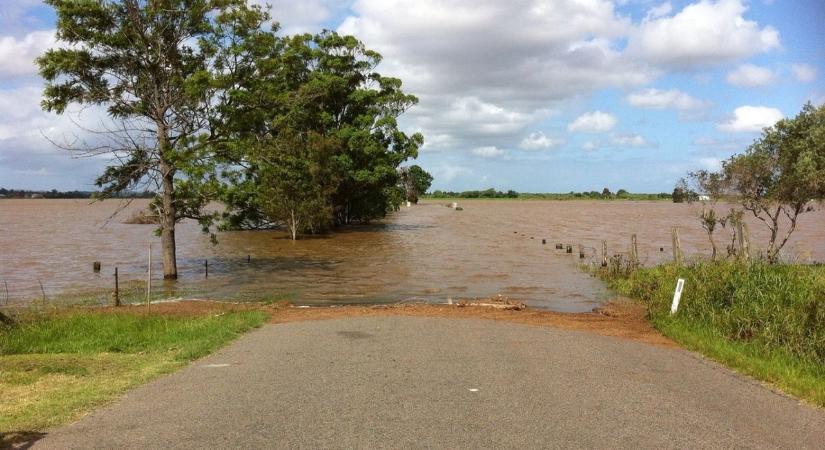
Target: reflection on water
x=424, y=253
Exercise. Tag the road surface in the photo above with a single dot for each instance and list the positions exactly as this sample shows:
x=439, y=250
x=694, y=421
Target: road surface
x=412, y=382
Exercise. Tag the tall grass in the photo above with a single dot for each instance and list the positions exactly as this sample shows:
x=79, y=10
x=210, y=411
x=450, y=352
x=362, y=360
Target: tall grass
x=766, y=320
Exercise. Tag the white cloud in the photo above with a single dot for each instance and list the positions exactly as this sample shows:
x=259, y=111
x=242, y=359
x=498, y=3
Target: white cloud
x=658, y=11
x=18, y=55
x=751, y=119
x=509, y=63
x=804, y=73
x=669, y=99
x=488, y=151
x=593, y=122
x=631, y=140
x=749, y=75
x=702, y=34
x=537, y=141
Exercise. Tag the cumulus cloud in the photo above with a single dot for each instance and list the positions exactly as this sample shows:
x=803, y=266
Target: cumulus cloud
x=18, y=55
x=804, y=73
x=538, y=141
x=593, y=122
x=661, y=99
x=749, y=75
x=488, y=151
x=485, y=70
x=702, y=34
x=750, y=119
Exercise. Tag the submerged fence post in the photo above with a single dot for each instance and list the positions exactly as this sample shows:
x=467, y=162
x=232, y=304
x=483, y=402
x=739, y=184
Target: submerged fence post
x=677, y=247
x=634, y=250
x=117, y=289
x=206, y=268
x=581, y=251
x=96, y=266
x=604, y=253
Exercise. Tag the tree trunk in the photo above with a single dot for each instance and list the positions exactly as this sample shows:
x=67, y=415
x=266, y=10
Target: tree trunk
x=168, y=213
x=167, y=224
x=293, y=225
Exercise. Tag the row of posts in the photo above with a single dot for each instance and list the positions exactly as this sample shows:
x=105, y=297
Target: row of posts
x=116, y=294
x=678, y=257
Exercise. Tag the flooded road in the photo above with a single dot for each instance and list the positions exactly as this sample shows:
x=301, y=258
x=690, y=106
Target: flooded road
x=425, y=253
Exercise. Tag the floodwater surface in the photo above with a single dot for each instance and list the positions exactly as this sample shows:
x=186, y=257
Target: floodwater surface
x=426, y=253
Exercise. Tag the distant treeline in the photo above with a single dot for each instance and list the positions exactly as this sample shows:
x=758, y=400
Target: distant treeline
x=54, y=193
x=605, y=194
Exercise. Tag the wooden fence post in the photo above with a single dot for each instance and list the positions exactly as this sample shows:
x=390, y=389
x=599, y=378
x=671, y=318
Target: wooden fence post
x=677, y=247
x=117, y=289
x=634, y=251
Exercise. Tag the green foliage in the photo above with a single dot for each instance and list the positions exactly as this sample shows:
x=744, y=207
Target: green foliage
x=309, y=90
x=778, y=176
x=415, y=181
x=592, y=195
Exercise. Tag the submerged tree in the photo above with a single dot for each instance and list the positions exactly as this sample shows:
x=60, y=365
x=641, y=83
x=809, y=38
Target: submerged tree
x=415, y=181
x=152, y=65
x=320, y=88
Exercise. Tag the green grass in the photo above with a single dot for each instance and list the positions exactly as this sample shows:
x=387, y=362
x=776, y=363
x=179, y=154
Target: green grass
x=767, y=321
x=55, y=367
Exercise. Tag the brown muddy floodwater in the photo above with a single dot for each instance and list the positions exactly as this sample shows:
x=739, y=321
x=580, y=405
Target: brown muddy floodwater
x=427, y=253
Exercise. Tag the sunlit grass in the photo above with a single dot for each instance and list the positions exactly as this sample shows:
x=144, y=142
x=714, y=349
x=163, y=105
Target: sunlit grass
x=55, y=367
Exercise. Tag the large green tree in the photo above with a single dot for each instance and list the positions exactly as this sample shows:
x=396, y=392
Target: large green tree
x=159, y=68
x=318, y=89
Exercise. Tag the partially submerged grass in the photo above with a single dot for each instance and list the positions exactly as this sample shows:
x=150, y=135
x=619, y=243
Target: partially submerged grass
x=767, y=321
x=57, y=366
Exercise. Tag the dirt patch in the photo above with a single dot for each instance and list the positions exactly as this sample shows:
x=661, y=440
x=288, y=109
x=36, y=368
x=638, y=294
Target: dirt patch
x=621, y=318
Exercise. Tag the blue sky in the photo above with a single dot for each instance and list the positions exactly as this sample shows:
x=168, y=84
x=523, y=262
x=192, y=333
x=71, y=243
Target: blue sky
x=539, y=96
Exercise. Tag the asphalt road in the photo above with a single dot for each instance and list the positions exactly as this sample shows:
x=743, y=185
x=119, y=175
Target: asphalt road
x=406, y=382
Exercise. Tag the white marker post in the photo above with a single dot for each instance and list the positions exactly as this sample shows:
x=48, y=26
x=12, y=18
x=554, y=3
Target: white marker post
x=677, y=295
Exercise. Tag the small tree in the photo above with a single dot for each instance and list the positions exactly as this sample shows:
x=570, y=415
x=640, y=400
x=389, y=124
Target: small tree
x=781, y=173
x=709, y=187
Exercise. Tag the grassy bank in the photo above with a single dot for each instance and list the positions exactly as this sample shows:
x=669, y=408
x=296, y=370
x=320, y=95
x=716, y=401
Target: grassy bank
x=764, y=321
x=55, y=367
